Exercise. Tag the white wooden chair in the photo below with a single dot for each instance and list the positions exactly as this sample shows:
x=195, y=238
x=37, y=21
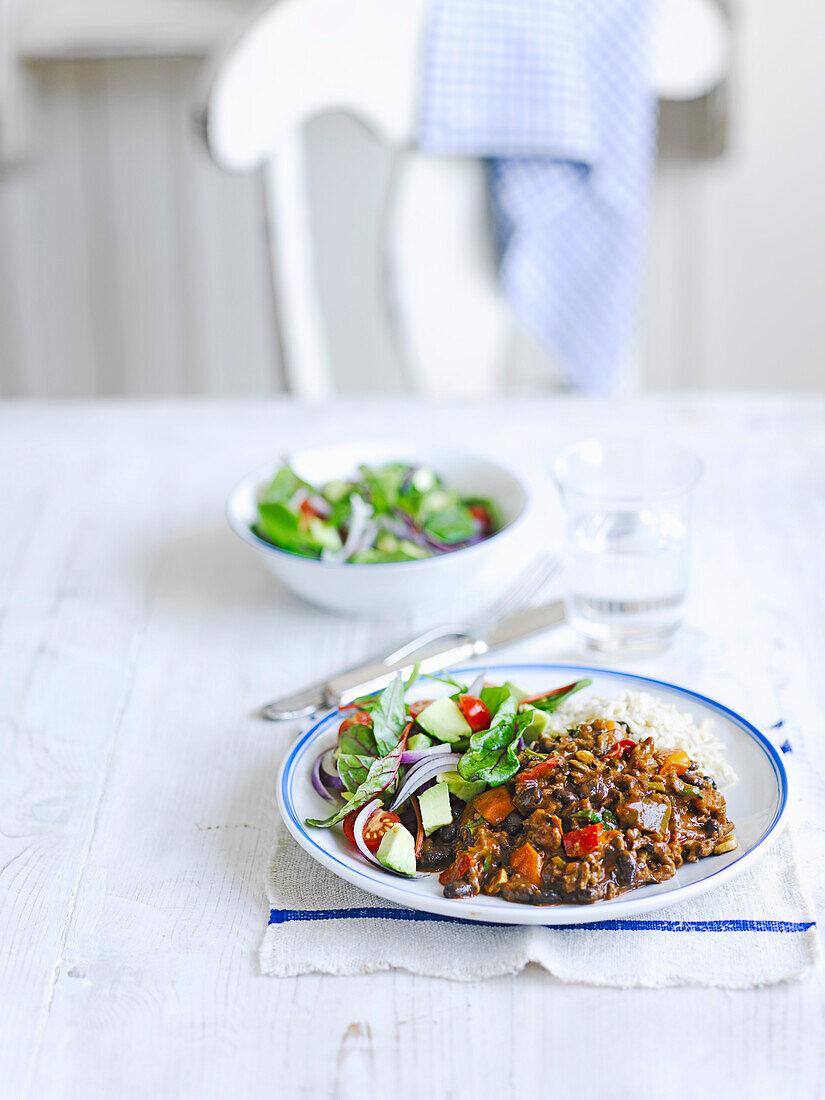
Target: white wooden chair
x=301, y=58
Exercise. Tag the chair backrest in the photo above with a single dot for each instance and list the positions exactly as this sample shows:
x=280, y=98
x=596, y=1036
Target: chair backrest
x=301, y=58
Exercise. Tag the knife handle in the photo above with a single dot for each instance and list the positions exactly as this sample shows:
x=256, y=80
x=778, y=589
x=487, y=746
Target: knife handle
x=370, y=678
x=356, y=681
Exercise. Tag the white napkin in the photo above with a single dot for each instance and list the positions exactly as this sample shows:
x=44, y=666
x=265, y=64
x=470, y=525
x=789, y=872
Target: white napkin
x=756, y=930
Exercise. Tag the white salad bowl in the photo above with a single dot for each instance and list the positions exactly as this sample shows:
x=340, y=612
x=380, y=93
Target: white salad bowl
x=456, y=581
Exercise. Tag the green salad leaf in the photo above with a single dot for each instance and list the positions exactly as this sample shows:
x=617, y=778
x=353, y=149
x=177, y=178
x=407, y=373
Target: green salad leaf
x=410, y=514
x=353, y=769
x=553, y=699
x=358, y=739
x=281, y=527
x=380, y=775
x=452, y=524
x=492, y=755
x=284, y=486
x=389, y=717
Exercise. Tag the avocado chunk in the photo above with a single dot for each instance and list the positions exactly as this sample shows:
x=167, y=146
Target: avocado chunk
x=419, y=741
x=539, y=721
x=397, y=851
x=462, y=788
x=518, y=693
x=443, y=719
x=435, y=807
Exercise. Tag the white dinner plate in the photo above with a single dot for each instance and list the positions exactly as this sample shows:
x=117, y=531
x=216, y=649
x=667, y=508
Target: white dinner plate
x=756, y=804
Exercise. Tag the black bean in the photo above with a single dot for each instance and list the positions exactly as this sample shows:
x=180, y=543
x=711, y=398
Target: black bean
x=626, y=868
x=527, y=800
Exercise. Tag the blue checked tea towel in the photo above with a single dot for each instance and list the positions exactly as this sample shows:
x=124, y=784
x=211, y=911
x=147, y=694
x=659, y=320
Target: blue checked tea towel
x=555, y=95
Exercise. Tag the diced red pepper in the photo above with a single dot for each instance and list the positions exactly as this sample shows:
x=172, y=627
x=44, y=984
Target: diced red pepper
x=476, y=713
x=580, y=842
x=620, y=748
x=538, y=770
x=457, y=869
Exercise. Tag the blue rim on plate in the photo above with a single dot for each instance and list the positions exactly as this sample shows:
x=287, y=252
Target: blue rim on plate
x=396, y=889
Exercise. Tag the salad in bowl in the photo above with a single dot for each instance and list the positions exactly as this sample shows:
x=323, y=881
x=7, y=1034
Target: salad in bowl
x=385, y=529
x=391, y=512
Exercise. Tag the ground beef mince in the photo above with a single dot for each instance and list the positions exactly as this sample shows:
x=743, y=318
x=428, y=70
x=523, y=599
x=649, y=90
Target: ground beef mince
x=589, y=815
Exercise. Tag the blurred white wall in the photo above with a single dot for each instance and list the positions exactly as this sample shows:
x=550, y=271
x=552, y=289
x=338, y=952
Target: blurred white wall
x=129, y=264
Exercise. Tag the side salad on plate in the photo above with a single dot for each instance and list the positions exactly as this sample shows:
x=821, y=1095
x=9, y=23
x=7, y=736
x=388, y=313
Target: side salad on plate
x=424, y=759
x=389, y=513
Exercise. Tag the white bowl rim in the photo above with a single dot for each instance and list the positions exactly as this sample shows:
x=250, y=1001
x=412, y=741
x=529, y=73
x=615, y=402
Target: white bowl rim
x=253, y=479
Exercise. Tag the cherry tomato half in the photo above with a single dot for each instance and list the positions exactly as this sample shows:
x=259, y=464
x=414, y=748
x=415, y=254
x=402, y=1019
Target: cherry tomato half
x=360, y=718
x=476, y=713
x=307, y=513
x=416, y=708
x=348, y=825
x=482, y=514
x=379, y=822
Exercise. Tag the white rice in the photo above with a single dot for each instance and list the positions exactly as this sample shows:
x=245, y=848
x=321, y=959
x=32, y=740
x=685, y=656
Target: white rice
x=647, y=717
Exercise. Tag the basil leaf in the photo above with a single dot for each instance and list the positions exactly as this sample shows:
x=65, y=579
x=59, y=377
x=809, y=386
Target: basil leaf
x=353, y=769
x=358, y=740
x=389, y=716
x=381, y=775
x=491, y=756
x=554, y=699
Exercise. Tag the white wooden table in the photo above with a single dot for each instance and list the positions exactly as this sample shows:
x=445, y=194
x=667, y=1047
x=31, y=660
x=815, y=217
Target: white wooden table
x=137, y=635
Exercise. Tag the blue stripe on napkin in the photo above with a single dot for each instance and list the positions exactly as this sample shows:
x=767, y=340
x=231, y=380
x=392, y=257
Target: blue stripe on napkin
x=285, y=916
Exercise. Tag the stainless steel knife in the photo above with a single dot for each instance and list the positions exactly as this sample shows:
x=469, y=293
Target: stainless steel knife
x=441, y=648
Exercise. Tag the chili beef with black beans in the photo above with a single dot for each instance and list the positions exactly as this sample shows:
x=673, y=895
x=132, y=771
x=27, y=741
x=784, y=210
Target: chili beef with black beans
x=589, y=815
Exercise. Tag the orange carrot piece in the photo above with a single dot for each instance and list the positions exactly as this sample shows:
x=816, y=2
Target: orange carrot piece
x=494, y=805
x=677, y=761
x=527, y=861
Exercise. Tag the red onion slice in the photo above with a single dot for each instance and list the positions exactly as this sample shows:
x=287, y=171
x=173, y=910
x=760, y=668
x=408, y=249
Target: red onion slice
x=298, y=498
x=415, y=756
x=317, y=782
x=319, y=505
x=477, y=684
x=422, y=773
x=359, y=518
x=329, y=773
x=358, y=829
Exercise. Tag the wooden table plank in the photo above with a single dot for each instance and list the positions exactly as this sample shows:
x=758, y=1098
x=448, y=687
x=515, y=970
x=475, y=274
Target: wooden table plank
x=137, y=638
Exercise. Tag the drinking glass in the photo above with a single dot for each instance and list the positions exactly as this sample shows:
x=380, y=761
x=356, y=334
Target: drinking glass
x=627, y=506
